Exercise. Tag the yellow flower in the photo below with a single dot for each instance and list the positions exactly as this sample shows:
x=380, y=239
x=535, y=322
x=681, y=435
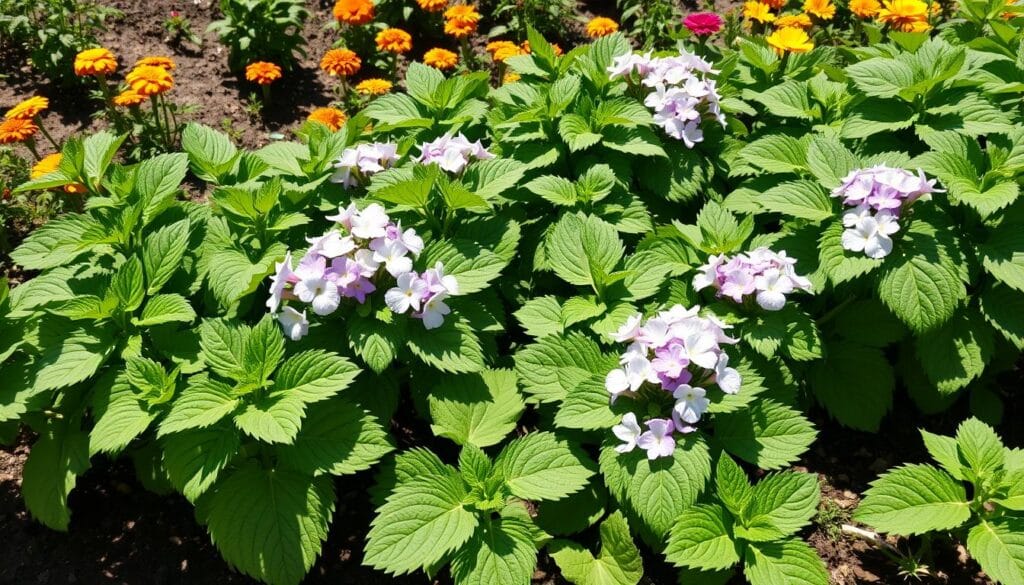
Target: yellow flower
x=865, y=8
x=95, y=62
x=333, y=118
x=823, y=9
x=793, y=21
x=128, y=97
x=17, y=130
x=262, y=72
x=148, y=80
x=341, y=62
x=790, y=40
x=49, y=164
x=759, y=11
x=461, y=20
x=501, y=50
x=374, y=87
x=394, y=40
x=432, y=5
x=905, y=15
x=511, y=77
x=354, y=12
x=158, y=61
x=601, y=26
x=442, y=59
x=28, y=109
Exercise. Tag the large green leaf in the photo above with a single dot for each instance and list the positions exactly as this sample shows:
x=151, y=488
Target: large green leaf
x=539, y=466
x=998, y=546
x=914, y=499
x=618, y=563
x=56, y=460
x=784, y=563
x=195, y=458
x=501, y=552
x=476, y=409
x=581, y=244
x=701, y=538
x=768, y=434
x=338, y=438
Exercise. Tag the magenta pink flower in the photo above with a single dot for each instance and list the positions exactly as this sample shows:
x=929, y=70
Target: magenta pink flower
x=703, y=23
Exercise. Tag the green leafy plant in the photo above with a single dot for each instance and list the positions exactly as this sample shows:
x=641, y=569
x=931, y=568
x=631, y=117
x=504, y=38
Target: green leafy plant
x=262, y=30
x=924, y=499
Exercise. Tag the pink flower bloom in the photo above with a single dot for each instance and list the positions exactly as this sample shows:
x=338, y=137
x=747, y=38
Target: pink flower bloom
x=658, y=441
x=440, y=283
x=452, y=153
x=407, y=294
x=703, y=23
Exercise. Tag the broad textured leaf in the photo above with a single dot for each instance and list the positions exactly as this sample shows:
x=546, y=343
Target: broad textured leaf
x=980, y=447
x=194, y=458
x=914, y=499
x=701, y=538
x=314, y=375
x=501, y=552
x=476, y=409
x=618, y=563
x=338, y=438
x=768, y=434
x=855, y=383
x=166, y=308
x=56, y=460
x=784, y=563
x=550, y=368
x=201, y=404
x=539, y=466
x=998, y=546
x=162, y=253
x=783, y=503
x=578, y=244
x=454, y=347
x=957, y=352
x=119, y=414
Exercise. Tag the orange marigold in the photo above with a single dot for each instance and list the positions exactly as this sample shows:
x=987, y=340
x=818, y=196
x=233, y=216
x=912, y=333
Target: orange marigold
x=461, y=20
x=17, y=130
x=47, y=165
x=823, y=9
x=442, y=59
x=905, y=15
x=333, y=118
x=432, y=5
x=158, y=61
x=341, y=62
x=374, y=86
x=505, y=52
x=128, y=97
x=262, y=72
x=394, y=40
x=601, y=26
x=865, y=8
x=353, y=11
x=793, y=21
x=149, y=80
x=97, y=61
x=775, y=4
x=28, y=109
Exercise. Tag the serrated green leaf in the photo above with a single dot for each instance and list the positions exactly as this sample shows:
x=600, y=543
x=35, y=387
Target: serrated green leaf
x=956, y=353
x=165, y=308
x=980, y=447
x=202, y=403
x=914, y=499
x=338, y=438
x=768, y=434
x=476, y=409
x=782, y=504
x=56, y=460
x=578, y=244
x=501, y=552
x=784, y=563
x=120, y=416
x=998, y=546
x=855, y=383
x=541, y=316
x=162, y=252
x=731, y=485
x=539, y=466
x=314, y=375
x=195, y=458
x=618, y=563
x=701, y=538
x=453, y=347
x=550, y=368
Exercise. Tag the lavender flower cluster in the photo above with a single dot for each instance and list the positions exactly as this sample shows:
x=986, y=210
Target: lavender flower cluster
x=877, y=196
x=346, y=265
x=681, y=94
x=452, y=153
x=679, y=352
x=767, y=275
x=357, y=164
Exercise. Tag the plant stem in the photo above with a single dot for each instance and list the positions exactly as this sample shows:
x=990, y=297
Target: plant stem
x=42, y=129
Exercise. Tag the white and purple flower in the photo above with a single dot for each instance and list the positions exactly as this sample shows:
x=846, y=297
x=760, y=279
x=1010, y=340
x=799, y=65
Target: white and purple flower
x=765, y=275
x=452, y=153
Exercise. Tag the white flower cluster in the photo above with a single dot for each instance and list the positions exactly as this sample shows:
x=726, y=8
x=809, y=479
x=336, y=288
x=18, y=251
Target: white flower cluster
x=357, y=164
x=878, y=195
x=681, y=92
x=453, y=153
x=679, y=352
x=767, y=275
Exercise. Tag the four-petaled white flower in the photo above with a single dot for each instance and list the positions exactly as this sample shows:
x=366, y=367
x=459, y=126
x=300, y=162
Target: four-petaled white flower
x=407, y=294
x=434, y=310
x=691, y=403
x=628, y=431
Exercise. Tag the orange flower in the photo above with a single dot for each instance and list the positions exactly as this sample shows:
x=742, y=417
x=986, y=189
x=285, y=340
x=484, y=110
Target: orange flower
x=501, y=50
x=353, y=11
x=47, y=165
x=157, y=61
x=790, y=40
x=262, y=72
x=394, y=40
x=823, y=9
x=460, y=21
x=775, y=4
x=341, y=62
x=432, y=5
x=905, y=15
x=759, y=11
x=601, y=26
x=149, y=80
x=95, y=62
x=374, y=87
x=17, y=130
x=793, y=21
x=28, y=109
x=333, y=118
x=442, y=59
x=554, y=48
x=128, y=97
x=865, y=8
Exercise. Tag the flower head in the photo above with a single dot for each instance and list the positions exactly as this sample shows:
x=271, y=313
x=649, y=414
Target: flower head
x=869, y=233
x=658, y=441
x=461, y=20
x=765, y=274
x=149, y=80
x=374, y=86
x=394, y=40
x=28, y=109
x=432, y=5
x=511, y=77
x=501, y=50
x=342, y=62
x=793, y=21
x=157, y=61
x=758, y=11
x=442, y=59
x=355, y=12
x=865, y=8
x=333, y=118
x=905, y=15
x=822, y=9
x=628, y=431
x=790, y=40
x=128, y=97
x=47, y=165
x=97, y=61
x=17, y=130
x=452, y=153
x=294, y=323
x=703, y=24
x=601, y=26
x=262, y=72
x=358, y=163
x=434, y=311
x=407, y=294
